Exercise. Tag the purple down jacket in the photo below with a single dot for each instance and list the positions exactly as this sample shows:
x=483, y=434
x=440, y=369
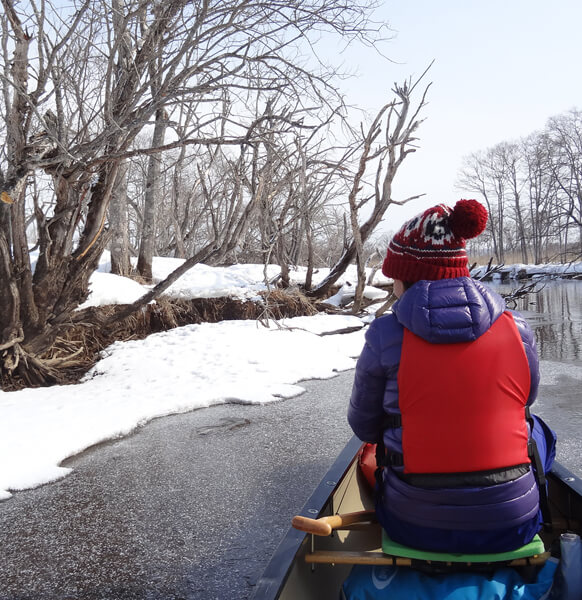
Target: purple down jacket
x=477, y=517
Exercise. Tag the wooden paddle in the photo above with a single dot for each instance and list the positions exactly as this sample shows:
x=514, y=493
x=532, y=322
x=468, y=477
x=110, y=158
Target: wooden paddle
x=325, y=525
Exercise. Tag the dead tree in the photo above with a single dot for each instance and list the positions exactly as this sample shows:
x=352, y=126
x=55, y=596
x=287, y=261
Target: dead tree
x=399, y=129
x=565, y=133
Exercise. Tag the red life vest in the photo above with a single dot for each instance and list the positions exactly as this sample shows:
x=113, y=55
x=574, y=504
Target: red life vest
x=463, y=404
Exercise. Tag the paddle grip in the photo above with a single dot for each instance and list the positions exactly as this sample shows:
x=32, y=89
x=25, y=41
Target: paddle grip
x=325, y=525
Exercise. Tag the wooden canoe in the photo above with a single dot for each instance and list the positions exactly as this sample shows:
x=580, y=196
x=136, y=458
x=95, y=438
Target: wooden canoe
x=301, y=566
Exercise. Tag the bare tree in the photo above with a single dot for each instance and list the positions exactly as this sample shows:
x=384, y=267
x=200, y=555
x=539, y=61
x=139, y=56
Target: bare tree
x=399, y=129
x=512, y=158
x=541, y=191
x=152, y=193
x=119, y=223
x=538, y=182
x=485, y=174
x=565, y=133
x=74, y=111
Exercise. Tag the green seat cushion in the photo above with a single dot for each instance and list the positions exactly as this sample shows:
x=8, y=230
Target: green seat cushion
x=536, y=546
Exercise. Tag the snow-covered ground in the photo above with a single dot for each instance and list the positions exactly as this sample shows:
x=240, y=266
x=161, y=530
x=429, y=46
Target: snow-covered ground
x=179, y=370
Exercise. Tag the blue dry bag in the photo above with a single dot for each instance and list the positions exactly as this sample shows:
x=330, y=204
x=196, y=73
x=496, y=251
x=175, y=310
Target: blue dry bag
x=367, y=582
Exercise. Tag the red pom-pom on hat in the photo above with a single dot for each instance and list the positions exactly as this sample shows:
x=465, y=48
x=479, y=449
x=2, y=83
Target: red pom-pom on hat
x=468, y=219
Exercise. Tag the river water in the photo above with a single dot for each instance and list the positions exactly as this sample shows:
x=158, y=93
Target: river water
x=555, y=313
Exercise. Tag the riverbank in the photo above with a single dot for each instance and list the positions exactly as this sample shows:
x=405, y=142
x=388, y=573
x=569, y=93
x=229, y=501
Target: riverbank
x=521, y=271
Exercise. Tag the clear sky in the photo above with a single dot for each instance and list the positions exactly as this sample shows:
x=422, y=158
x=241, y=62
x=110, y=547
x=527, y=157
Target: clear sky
x=502, y=68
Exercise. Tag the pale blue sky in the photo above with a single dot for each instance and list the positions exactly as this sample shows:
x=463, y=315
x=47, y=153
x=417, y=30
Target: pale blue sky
x=502, y=68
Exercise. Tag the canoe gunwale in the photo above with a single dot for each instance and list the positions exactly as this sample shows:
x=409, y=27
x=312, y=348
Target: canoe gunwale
x=275, y=575
x=567, y=478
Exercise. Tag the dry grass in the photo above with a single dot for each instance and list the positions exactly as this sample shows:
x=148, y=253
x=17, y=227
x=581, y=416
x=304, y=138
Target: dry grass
x=73, y=354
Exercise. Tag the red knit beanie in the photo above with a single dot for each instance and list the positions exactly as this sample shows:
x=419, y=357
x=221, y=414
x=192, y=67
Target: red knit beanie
x=432, y=245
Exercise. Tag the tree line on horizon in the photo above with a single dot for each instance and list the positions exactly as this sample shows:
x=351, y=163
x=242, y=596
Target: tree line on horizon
x=532, y=188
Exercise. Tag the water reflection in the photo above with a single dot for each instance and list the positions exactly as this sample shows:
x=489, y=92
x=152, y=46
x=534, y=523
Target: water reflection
x=555, y=314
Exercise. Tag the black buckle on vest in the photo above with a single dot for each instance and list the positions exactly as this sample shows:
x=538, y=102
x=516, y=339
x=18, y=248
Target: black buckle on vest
x=387, y=459
x=391, y=459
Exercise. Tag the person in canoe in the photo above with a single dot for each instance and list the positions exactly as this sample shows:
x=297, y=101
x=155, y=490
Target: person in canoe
x=443, y=386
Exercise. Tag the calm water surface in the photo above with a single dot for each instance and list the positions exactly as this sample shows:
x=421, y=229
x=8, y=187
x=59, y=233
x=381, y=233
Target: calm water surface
x=555, y=314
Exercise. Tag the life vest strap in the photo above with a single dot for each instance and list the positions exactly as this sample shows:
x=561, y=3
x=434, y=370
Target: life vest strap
x=460, y=480
x=392, y=421
x=538, y=469
x=450, y=480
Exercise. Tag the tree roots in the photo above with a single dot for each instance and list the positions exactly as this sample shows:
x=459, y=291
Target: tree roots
x=76, y=350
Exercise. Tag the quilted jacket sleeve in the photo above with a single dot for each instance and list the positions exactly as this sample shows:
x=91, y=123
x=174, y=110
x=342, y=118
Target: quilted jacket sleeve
x=366, y=414
x=531, y=351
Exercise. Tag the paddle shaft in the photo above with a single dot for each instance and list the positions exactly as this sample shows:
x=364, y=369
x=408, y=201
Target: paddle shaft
x=325, y=525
